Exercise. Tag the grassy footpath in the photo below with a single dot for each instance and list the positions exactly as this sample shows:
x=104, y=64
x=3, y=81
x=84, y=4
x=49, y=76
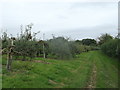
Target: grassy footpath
x=77, y=73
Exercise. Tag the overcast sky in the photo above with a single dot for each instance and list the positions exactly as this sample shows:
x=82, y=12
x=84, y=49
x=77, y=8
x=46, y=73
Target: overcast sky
x=77, y=20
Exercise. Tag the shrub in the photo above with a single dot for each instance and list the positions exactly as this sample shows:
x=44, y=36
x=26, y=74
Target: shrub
x=112, y=48
x=59, y=47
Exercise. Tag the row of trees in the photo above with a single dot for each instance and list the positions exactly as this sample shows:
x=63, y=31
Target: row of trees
x=26, y=46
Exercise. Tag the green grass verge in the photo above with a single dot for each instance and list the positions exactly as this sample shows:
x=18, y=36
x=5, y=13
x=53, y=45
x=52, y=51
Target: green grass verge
x=62, y=73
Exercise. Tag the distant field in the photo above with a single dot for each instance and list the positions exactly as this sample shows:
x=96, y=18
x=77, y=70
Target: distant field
x=89, y=70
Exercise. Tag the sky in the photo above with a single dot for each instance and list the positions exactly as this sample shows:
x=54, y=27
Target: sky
x=76, y=20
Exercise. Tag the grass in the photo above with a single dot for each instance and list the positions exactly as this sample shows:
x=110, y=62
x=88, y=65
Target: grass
x=62, y=73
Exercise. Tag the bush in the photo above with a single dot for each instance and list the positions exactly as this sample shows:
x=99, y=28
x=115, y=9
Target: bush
x=112, y=48
x=59, y=47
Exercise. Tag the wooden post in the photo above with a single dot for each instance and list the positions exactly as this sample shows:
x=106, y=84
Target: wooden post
x=43, y=47
x=10, y=56
x=43, y=50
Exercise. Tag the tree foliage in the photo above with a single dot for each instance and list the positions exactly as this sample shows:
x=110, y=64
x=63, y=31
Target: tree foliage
x=112, y=48
x=89, y=42
x=59, y=47
x=104, y=38
x=26, y=45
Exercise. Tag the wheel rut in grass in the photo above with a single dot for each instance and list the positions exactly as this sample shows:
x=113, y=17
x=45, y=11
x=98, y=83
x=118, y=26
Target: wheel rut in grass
x=92, y=82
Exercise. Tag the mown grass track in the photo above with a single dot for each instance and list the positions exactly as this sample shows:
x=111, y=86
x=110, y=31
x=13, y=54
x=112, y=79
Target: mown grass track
x=77, y=73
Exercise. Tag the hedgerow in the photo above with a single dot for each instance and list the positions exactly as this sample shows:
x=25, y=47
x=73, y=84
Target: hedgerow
x=112, y=48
